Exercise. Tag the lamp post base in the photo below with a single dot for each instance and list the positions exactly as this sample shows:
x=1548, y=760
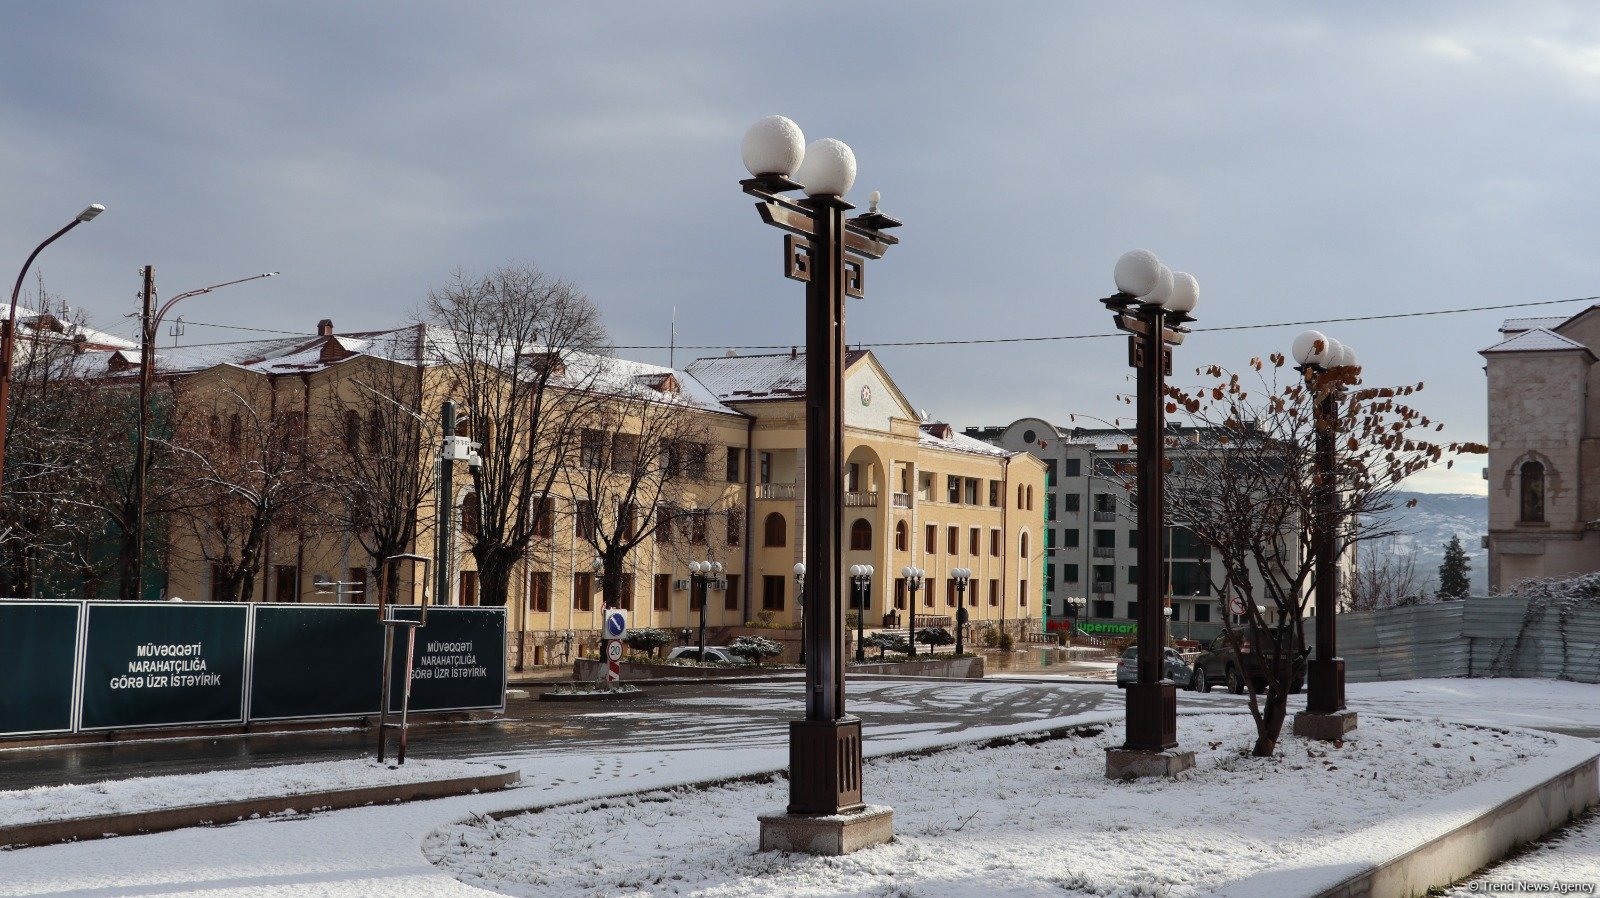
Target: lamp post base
x=1324, y=727
x=825, y=767
x=1325, y=685
x=1133, y=763
x=831, y=834
x=1152, y=715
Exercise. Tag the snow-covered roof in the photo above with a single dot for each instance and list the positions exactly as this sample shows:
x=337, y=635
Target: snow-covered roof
x=744, y=378
x=30, y=326
x=959, y=442
x=1518, y=325
x=1538, y=339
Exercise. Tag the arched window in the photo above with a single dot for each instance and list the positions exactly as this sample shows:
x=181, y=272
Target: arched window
x=1532, y=491
x=352, y=430
x=1030, y=498
x=775, y=532
x=902, y=537
x=1024, y=546
x=860, y=535
x=1019, y=497
x=471, y=512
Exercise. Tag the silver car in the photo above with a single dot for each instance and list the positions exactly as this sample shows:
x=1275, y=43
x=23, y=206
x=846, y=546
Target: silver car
x=1178, y=670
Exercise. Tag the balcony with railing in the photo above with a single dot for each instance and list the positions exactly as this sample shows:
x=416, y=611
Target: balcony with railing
x=901, y=500
x=775, y=491
x=1105, y=517
x=861, y=499
x=1103, y=587
x=1105, y=551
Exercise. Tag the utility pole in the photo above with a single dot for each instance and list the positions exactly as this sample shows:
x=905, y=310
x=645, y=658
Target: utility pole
x=133, y=568
x=445, y=503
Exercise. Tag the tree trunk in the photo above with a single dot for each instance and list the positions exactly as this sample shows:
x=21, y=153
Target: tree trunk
x=494, y=576
x=1273, y=713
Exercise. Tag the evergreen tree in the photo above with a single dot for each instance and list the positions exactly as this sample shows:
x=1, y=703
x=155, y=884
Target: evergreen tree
x=1453, y=571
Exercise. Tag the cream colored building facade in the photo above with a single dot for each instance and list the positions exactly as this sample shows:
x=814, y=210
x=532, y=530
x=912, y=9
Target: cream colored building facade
x=919, y=495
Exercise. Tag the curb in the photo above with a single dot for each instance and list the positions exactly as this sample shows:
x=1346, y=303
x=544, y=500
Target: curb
x=52, y=831
x=593, y=696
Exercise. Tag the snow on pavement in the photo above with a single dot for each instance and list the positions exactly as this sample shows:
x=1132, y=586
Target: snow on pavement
x=1570, y=858
x=1021, y=820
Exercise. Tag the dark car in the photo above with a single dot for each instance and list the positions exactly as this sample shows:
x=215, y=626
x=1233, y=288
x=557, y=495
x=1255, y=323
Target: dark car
x=1217, y=663
x=1177, y=669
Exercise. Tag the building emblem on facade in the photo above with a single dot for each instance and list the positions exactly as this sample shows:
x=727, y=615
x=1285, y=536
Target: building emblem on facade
x=866, y=394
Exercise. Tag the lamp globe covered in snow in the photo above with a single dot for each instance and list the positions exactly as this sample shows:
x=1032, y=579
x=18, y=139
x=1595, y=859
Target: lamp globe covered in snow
x=829, y=168
x=1153, y=305
x=774, y=145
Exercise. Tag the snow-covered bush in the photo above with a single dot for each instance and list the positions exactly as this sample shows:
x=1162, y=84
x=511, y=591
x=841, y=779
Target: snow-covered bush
x=647, y=639
x=758, y=648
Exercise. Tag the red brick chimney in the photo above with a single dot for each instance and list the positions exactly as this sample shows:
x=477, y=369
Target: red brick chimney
x=325, y=327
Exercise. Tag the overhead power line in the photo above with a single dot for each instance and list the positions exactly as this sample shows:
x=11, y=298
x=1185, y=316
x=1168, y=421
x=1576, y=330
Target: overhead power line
x=980, y=341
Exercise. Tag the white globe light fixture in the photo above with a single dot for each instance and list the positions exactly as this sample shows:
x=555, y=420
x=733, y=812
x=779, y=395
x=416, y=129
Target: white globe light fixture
x=1137, y=272
x=1185, y=293
x=1309, y=348
x=829, y=168
x=774, y=145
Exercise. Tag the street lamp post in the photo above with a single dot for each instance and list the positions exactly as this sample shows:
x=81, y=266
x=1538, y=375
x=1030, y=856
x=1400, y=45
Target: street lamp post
x=913, y=577
x=961, y=575
x=828, y=252
x=1152, y=305
x=8, y=328
x=149, y=327
x=1327, y=366
x=861, y=579
x=701, y=573
x=800, y=602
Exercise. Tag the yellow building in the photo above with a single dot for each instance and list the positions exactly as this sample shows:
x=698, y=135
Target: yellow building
x=918, y=495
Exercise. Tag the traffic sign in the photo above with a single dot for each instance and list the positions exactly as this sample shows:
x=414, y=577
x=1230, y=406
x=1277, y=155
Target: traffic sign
x=614, y=650
x=1236, y=606
x=616, y=624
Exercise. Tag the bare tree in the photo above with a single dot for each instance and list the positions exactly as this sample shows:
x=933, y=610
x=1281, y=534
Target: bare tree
x=1383, y=578
x=375, y=440
x=642, y=470
x=249, y=468
x=1253, y=498
x=523, y=352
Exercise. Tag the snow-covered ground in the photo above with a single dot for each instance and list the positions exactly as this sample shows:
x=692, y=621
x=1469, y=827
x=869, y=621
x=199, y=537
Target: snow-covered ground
x=140, y=794
x=377, y=850
x=1022, y=820
x=1571, y=858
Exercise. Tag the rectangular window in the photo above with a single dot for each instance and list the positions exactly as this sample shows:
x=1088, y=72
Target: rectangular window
x=950, y=593
x=735, y=465
x=1050, y=539
x=1104, y=608
x=666, y=522
x=972, y=490
x=625, y=593
x=697, y=526
x=1105, y=539
x=1133, y=573
x=930, y=539
x=624, y=452
x=994, y=494
x=735, y=526
x=1069, y=538
x=952, y=540
x=766, y=467
x=1183, y=544
x=591, y=449
x=467, y=591
x=1133, y=610
x=900, y=593
x=662, y=600
x=1190, y=578
x=994, y=543
x=539, y=591
x=286, y=585
x=583, y=591
x=1105, y=503
x=974, y=542
x=588, y=521
x=953, y=489
x=1074, y=468
x=1049, y=506
x=1202, y=613
x=730, y=593
x=626, y=519
x=1069, y=573
x=1104, y=574
x=994, y=593
x=543, y=512
x=697, y=590
x=1049, y=473
x=1133, y=539
x=772, y=592
x=1022, y=594
x=1049, y=578
x=1070, y=502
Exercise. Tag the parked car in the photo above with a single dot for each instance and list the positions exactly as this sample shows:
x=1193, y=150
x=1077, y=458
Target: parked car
x=1217, y=663
x=713, y=653
x=1178, y=670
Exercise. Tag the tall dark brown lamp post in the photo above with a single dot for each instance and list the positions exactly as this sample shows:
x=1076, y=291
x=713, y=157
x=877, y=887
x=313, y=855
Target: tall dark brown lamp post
x=961, y=575
x=150, y=320
x=8, y=328
x=861, y=580
x=1152, y=305
x=1327, y=366
x=913, y=577
x=828, y=251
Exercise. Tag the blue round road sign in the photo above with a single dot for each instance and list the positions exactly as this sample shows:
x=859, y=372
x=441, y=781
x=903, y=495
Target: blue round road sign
x=616, y=624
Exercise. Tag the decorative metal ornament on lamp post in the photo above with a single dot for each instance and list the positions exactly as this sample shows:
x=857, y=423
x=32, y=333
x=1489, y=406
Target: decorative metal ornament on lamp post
x=1327, y=366
x=826, y=250
x=861, y=579
x=1152, y=305
x=913, y=577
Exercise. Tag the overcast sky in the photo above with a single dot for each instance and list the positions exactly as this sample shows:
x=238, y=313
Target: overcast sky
x=1302, y=161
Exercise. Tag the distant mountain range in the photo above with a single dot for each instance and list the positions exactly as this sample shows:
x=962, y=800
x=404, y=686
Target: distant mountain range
x=1426, y=528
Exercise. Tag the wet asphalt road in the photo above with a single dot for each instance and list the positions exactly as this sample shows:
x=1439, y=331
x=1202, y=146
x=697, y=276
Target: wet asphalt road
x=671, y=715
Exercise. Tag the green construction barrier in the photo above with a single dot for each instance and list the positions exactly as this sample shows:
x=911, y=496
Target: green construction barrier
x=315, y=661
x=38, y=651
x=459, y=663
x=163, y=664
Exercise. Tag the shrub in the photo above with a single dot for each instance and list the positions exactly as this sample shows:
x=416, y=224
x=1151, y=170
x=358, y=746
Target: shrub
x=1005, y=641
x=990, y=637
x=756, y=647
x=766, y=619
x=885, y=641
x=648, y=640
x=935, y=636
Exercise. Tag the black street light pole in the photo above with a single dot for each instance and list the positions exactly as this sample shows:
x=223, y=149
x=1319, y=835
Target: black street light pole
x=800, y=602
x=1327, y=367
x=828, y=252
x=861, y=579
x=961, y=576
x=913, y=577
x=8, y=328
x=1152, y=305
x=700, y=575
